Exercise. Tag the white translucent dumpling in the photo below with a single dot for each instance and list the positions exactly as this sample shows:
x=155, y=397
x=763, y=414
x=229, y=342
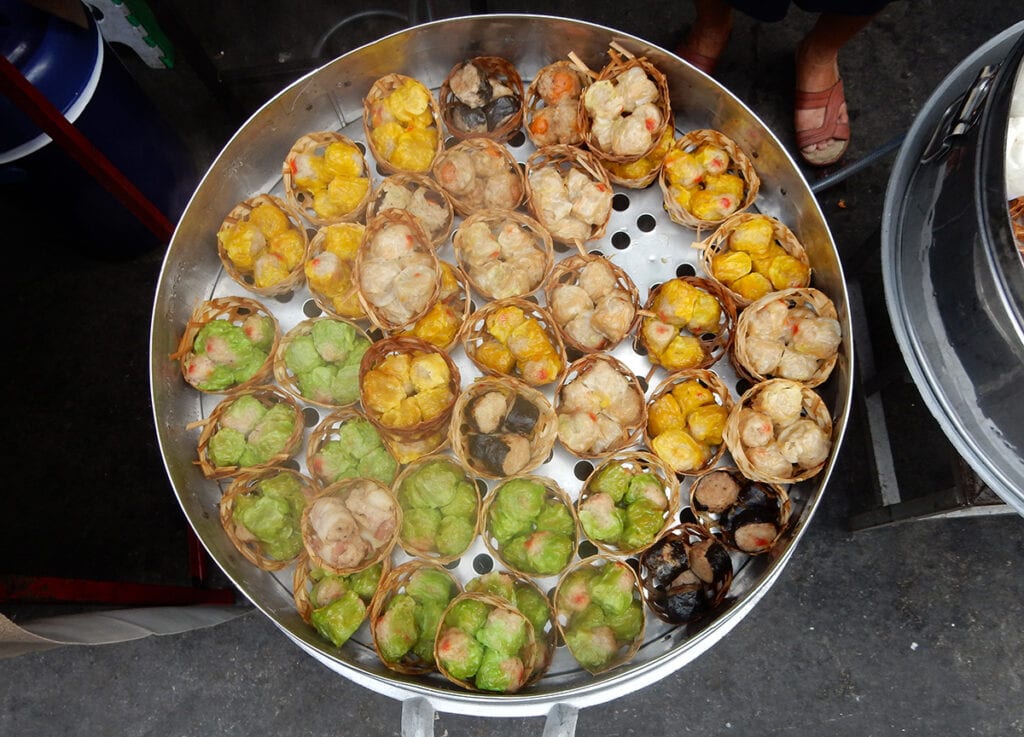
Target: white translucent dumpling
x=613, y=315
x=578, y=431
x=804, y=443
x=817, y=336
x=769, y=461
x=782, y=401
x=597, y=278
x=763, y=355
x=797, y=366
x=755, y=428
x=568, y=301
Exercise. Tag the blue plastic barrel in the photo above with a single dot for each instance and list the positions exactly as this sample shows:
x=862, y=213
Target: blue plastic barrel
x=73, y=68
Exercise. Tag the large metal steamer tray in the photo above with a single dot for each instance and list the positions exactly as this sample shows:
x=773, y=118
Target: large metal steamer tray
x=640, y=237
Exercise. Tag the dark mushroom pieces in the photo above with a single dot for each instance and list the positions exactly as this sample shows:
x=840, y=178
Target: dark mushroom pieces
x=685, y=574
x=748, y=516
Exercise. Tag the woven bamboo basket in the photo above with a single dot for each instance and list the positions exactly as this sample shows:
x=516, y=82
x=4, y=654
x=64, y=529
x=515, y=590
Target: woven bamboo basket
x=236, y=310
x=479, y=174
x=527, y=654
x=565, y=159
x=266, y=395
x=621, y=61
x=714, y=384
x=564, y=614
x=629, y=432
x=376, y=250
x=494, y=68
x=682, y=539
x=287, y=378
x=304, y=580
x=240, y=213
x=371, y=554
x=739, y=165
x=743, y=358
x=718, y=243
x=713, y=519
x=301, y=199
x=326, y=431
x=554, y=494
x=714, y=345
x=542, y=439
x=476, y=338
x=426, y=192
x=372, y=108
x=561, y=93
x=812, y=408
x=431, y=552
x=394, y=583
x=635, y=462
x=567, y=272
x=454, y=305
x=243, y=540
x=342, y=298
x=547, y=634
x=411, y=347
x=476, y=260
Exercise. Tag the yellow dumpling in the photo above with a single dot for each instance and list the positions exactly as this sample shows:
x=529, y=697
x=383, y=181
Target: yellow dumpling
x=343, y=160
x=429, y=371
x=707, y=313
x=752, y=286
x=679, y=450
x=495, y=356
x=663, y=415
x=755, y=236
x=382, y=392
x=346, y=193
x=675, y=301
x=290, y=246
x=269, y=218
x=690, y=395
x=685, y=351
x=706, y=423
x=343, y=239
x=243, y=243
x=787, y=272
x=269, y=269
x=729, y=266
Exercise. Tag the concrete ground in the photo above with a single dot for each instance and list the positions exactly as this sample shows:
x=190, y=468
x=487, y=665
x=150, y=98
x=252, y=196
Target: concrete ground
x=908, y=629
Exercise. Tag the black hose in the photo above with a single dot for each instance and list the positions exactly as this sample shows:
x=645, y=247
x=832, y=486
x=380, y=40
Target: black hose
x=848, y=171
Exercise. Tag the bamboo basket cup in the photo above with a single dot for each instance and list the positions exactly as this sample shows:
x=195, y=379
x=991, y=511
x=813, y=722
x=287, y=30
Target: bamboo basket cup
x=235, y=310
x=243, y=540
x=813, y=408
x=477, y=259
x=527, y=654
x=686, y=536
x=343, y=299
x=713, y=345
x=553, y=493
x=301, y=199
x=743, y=358
x=621, y=62
x=376, y=250
x=412, y=347
x=266, y=395
x=431, y=552
x=557, y=94
x=630, y=429
x=416, y=192
x=476, y=337
x=713, y=383
x=374, y=116
x=547, y=635
x=288, y=380
x=240, y=213
x=567, y=273
x=454, y=299
x=480, y=174
x=493, y=68
x=739, y=164
x=371, y=554
x=542, y=440
x=713, y=520
x=394, y=583
x=564, y=615
x=565, y=159
x=304, y=580
x=645, y=171
x=328, y=430
x=718, y=243
x=636, y=462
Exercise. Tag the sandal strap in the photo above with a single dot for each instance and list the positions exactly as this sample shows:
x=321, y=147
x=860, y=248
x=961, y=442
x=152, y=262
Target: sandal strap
x=830, y=99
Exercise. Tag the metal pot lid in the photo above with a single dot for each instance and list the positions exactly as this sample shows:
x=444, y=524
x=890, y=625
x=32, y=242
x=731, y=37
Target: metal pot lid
x=954, y=282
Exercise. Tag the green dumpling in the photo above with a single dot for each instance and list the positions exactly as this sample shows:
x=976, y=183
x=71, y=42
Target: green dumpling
x=378, y=464
x=226, y=447
x=428, y=616
x=646, y=486
x=465, y=501
x=500, y=673
x=333, y=339
x=613, y=587
x=427, y=585
x=395, y=632
x=365, y=582
x=594, y=648
x=345, y=387
x=644, y=521
x=272, y=514
x=613, y=480
x=271, y=434
x=601, y=519
x=260, y=331
x=433, y=485
x=548, y=553
x=339, y=620
x=556, y=517
x=301, y=355
x=359, y=437
x=243, y=414
x=521, y=499
x=468, y=614
x=494, y=583
x=419, y=528
x=334, y=461
x=505, y=527
x=459, y=653
x=454, y=535
x=505, y=631
x=627, y=624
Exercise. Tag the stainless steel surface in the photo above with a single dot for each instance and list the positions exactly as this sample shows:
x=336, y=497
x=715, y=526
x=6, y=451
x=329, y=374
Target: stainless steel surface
x=331, y=98
x=954, y=282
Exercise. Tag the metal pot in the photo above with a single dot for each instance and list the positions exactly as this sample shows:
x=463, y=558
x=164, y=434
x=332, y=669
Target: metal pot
x=331, y=98
x=954, y=281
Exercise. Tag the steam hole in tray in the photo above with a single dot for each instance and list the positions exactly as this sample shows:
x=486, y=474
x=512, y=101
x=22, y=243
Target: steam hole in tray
x=646, y=223
x=685, y=270
x=742, y=385
x=517, y=139
x=596, y=252
x=620, y=202
x=481, y=485
x=453, y=564
x=621, y=240
x=642, y=381
x=310, y=417
x=483, y=563
x=311, y=309
x=587, y=549
x=687, y=516
x=583, y=469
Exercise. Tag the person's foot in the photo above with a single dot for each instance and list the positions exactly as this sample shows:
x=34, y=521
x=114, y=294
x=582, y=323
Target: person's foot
x=820, y=116
x=706, y=41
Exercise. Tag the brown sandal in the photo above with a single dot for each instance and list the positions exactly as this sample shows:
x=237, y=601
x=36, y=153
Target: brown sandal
x=830, y=129
x=705, y=63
